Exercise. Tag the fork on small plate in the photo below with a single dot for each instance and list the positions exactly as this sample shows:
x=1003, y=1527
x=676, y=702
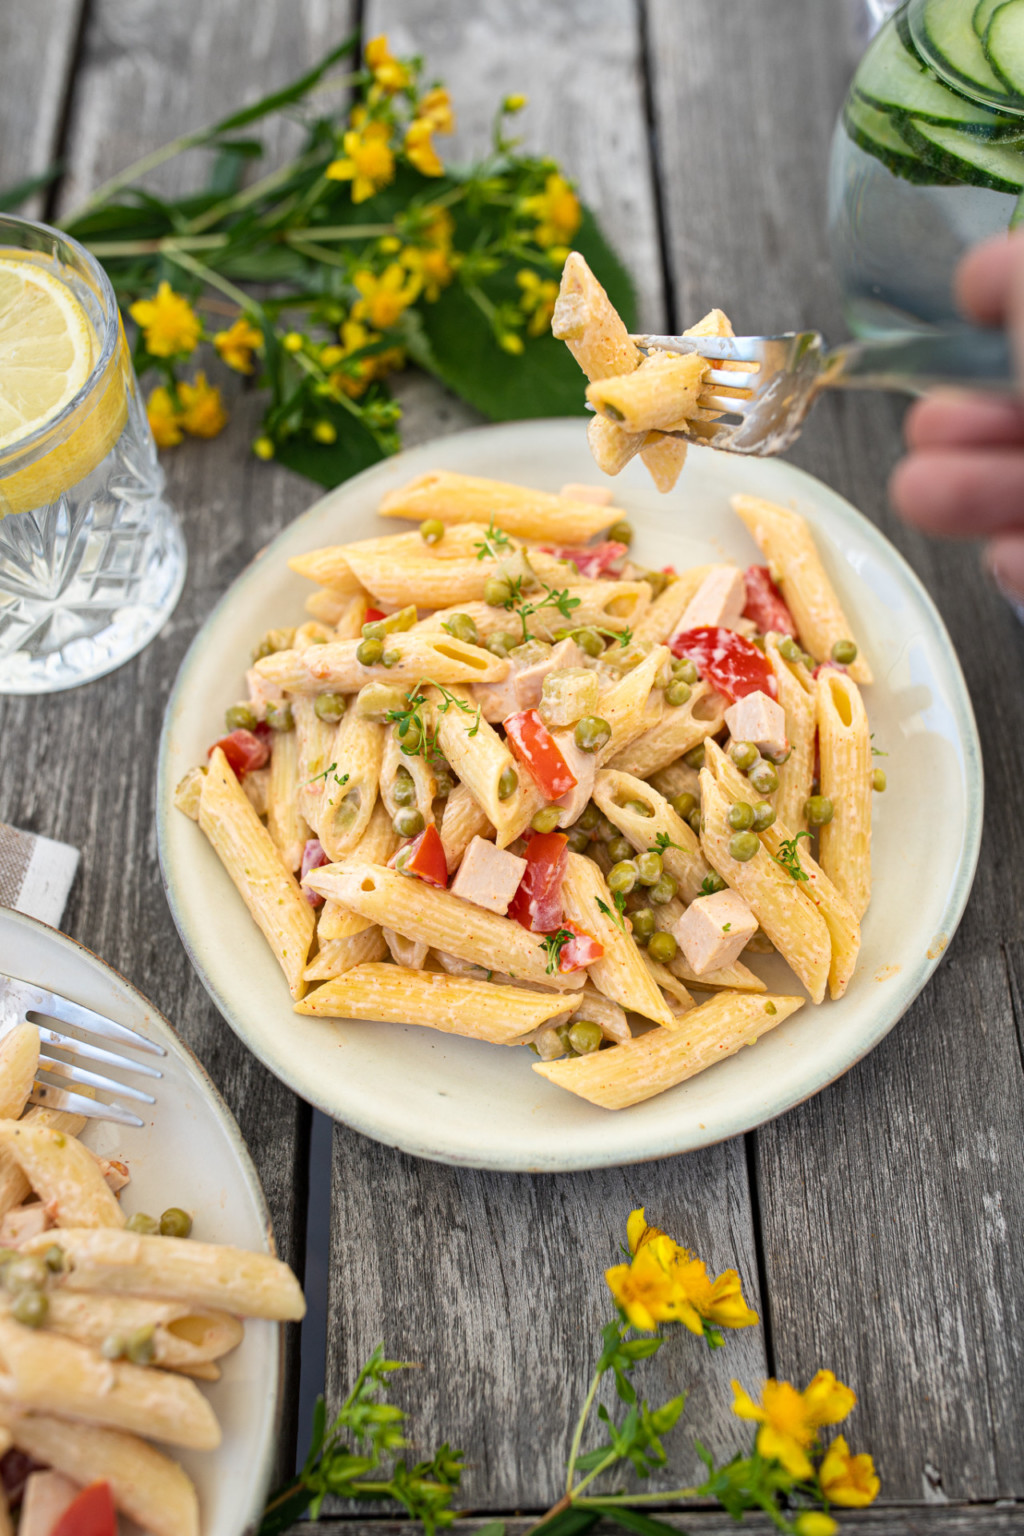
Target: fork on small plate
x=757, y=401
x=70, y=1055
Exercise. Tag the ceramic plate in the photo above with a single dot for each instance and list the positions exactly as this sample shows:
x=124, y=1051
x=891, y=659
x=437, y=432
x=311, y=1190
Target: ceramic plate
x=462, y=1101
x=188, y=1153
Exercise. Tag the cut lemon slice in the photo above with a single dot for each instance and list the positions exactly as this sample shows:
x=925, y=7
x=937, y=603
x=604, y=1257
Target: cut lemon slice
x=47, y=347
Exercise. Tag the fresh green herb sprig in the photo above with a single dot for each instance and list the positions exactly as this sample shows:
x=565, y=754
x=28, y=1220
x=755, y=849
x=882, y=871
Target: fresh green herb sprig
x=621, y=636
x=415, y=737
x=663, y=841
x=494, y=543
x=712, y=884
x=618, y=917
x=553, y=945
x=789, y=857
x=519, y=604
x=328, y=771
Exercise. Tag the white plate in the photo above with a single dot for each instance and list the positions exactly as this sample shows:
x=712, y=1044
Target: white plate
x=189, y=1153
x=461, y=1101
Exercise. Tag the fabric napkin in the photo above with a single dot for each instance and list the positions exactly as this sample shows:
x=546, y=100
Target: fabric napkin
x=35, y=874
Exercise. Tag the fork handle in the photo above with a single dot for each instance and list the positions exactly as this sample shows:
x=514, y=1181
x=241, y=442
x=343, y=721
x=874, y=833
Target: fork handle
x=915, y=362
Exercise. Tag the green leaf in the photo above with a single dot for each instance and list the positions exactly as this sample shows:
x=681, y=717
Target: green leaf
x=492, y=1528
x=226, y=174
x=282, y=98
x=633, y=1520
x=285, y=1506
x=13, y=197
x=568, y=1522
x=354, y=449
x=668, y=1414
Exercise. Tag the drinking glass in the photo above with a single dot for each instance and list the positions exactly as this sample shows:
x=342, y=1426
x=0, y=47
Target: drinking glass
x=92, y=558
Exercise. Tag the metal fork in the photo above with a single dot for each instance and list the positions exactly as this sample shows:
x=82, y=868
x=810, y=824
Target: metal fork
x=762, y=400
x=62, y=1052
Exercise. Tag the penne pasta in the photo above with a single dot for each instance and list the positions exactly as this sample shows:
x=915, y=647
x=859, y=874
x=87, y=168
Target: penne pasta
x=287, y=827
x=796, y=774
x=183, y=1336
x=479, y=757
x=620, y=973
x=527, y=514
x=630, y=707
x=660, y=394
x=619, y=795
x=336, y=667
x=679, y=729
x=314, y=738
x=463, y=819
x=659, y=621
x=19, y=1061
x=14, y=1185
x=338, y=956
x=351, y=783
x=616, y=605
x=63, y=1173
x=398, y=769
x=844, y=742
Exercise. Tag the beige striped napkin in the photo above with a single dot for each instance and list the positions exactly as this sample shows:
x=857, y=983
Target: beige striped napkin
x=35, y=874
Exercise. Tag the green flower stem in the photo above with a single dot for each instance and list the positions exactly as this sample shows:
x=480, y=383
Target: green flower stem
x=338, y=232
x=627, y=1499
x=581, y=1424
x=253, y=193
x=138, y=168
x=602, y=1466
x=319, y=253
x=207, y=275
x=161, y=247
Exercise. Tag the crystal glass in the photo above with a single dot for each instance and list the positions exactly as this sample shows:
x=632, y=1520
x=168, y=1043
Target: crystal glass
x=92, y=559
x=900, y=217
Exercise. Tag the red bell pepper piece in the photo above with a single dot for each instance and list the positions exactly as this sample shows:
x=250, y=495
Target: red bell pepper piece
x=537, y=903
x=424, y=857
x=374, y=615
x=581, y=950
x=593, y=563
x=92, y=1514
x=727, y=661
x=537, y=750
x=244, y=751
x=766, y=605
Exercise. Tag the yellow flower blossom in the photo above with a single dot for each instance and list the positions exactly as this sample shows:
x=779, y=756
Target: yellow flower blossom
x=384, y=298
x=556, y=209
x=263, y=448
x=537, y=300
x=368, y=162
x=435, y=108
x=420, y=149
x=170, y=326
x=353, y=379
x=325, y=432
x=666, y=1283
x=514, y=103
x=790, y=1420
x=388, y=73
x=813, y=1522
x=848, y=1480
x=164, y=418
x=202, y=413
x=237, y=344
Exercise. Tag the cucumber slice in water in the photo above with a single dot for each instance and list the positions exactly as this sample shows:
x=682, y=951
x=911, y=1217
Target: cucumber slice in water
x=892, y=78
x=964, y=157
x=983, y=13
x=1004, y=44
x=875, y=132
x=943, y=31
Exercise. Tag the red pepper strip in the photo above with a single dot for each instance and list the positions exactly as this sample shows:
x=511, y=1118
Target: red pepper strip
x=581, y=950
x=537, y=903
x=537, y=750
x=243, y=750
x=374, y=615
x=92, y=1514
x=426, y=858
x=766, y=604
x=594, y=562
x=727, y=661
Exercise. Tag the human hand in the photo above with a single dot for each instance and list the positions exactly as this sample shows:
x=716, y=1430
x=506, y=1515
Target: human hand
x=964, y=474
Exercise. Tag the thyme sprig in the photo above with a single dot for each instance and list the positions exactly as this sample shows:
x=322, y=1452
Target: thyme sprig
x=618, y=917
x=341, y=782
x=519, y=604
x=789, y=857
x=553, y=945
x=663, y=841
x=415, y=737
x=494, y=543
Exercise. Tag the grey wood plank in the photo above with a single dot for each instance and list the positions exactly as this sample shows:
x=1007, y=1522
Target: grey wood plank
x=37, y=50
x=936, y=1520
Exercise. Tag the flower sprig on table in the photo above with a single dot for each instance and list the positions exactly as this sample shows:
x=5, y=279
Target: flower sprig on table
x=789, y=1474
x=324, y=276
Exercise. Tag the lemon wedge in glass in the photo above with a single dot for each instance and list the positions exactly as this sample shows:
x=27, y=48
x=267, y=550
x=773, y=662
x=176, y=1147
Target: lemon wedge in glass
x=47, y=347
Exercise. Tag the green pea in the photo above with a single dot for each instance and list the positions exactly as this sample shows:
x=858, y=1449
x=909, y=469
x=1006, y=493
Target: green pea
x=589, y=642
x=589, y=817
x=26, y=1274
x=113, y=1346
x=403, y=790
x=329, y=707
x=432, y=530
x=818, y=811
x=764, y=778
x=140, y=1222
x=408, y=821
x=508, y=783
x=585, y=1037
x=174, y=1222
x=695, y=757
x=790, y=650
x=30, y=1308
x=375, y=630
x=878, y=780
x=808, y=660
x=497, y=591
x=643, y=924
x=241, y=717
x=662, y=947
x=663, y=892
x=501, y=642
x=462, y=627
x=376, y=699
x=678, y=692
x=639, y=807
x=443, y=781
x=280, y=717
x=685, y=671
x=592, y=733
x=410, y=740
x=391, y=658
x=140, y=1346
x=656, y=580
x=743, y=846
x=714, y=883
x=369, y=652
x=620, y=848
x=740, y=816
x=648, y=868
x=694, y=821
x=683, y=804
x=53, y=1258
x=764, y=815
x=579, y=841
x=621, y=532
x=744, y=754
x=562, y=1031
x=348, y=810
x=622, y=876
x=546, y=819
x=844, y=651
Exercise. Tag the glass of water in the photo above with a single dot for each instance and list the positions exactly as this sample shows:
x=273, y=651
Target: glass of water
x=92, y=559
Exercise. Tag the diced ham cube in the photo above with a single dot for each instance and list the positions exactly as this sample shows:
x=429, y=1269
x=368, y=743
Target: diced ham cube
x=714, y=930
x=529, y=682
x=488, y=876
x=23, y=1222
x=521, y=687
x=719, y=601
x=583, y=767
x=599, y=495
x=759, y=719
x=47, y=1496
x=262, y=692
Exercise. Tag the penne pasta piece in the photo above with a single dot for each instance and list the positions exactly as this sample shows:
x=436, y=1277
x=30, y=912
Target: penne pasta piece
x=630, y=707
x=43, y=1373
x=676, y=994
x=614, y=605
x=257, y=787
x=350, y=787
x=593, y=330
x=649, y=1064
x=19, y=1061
x=269, y=890
x=435, y=917
x=611, y=447
x=463, y=819
x=312, y=633
x=63, y=1173
x=660, y=394
x=340, y=955
x=525, y=513
x=14, y=1186
x=458, y=1005
x=479, y=757
x=664, y=458
x=660, y=620
x=786, y=542
x=395, y=765
x=349, y=624
x=787, y=915
x=377, y=844
x=335, y=667
x=287, y=827
x=183, y=1336
x=314, y=738
x=617, y=795
x=844, y=743
x=188, y=790
x=331, y=604
x=147, y=1486
x=796, y=774
x=621, y=973
x=679, y=729
x=331, y=567
x=335, y=923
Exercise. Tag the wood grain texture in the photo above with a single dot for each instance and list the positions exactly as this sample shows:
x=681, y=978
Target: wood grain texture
x=37, y=53
x=946, y=1520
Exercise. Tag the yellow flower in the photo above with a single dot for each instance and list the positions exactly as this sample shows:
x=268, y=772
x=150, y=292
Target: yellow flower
x=814, y=1523
x=293, y=341
x=638, y=1232
x=556, y=209
x=643, y=1290
x=670, y=1284
x=537, y=301
x=510, y=342
x=790, y=1420
x=436, y=109
x=514, y=103
x=237, y=344
x=353, y=379
x=848, y=1480
x=388, y=73
x=203, y=413
x=164, y=418
x=368, y=162
x=170, y=325
x=384, y=297
x=420, y=150
x=263, y=448
x=433, y=264
x=325, y=432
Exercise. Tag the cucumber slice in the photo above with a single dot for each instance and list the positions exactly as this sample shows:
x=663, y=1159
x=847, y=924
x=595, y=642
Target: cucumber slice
x=893, y=79
x=877, y=134
x=943, y=31
x=983, y=13
x=1004, y=44
x=966, y=158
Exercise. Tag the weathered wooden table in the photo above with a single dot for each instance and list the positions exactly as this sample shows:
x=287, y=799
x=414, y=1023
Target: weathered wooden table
x=880, y=1224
